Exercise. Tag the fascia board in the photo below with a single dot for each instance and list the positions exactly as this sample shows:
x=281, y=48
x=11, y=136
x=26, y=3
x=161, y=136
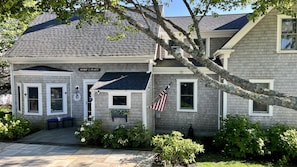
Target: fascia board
x=66, y=60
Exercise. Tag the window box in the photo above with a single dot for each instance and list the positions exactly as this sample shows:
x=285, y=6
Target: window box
x=119, y=113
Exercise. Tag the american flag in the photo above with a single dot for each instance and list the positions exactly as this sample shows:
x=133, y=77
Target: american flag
x=160, y=104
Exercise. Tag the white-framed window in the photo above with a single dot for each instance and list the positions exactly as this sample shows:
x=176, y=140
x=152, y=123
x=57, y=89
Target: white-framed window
x=56, y=98
x=187, y=95
x=120, y=100
x=287, y=34
x=176, y=48
x=32, y=99
x=19, y=97
x=258, y=109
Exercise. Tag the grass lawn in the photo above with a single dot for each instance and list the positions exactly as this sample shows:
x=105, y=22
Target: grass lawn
x=216, y=160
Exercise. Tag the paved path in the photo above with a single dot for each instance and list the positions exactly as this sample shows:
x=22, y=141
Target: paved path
x=20, y=154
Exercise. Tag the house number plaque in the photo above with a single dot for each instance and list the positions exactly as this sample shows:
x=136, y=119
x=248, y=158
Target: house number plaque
x=89, y=69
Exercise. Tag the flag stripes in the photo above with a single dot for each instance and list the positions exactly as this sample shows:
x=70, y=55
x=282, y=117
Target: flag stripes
x=160, y=104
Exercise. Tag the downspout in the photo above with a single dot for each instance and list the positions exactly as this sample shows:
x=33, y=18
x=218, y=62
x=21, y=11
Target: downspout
x=219, y=106
x=12, y=88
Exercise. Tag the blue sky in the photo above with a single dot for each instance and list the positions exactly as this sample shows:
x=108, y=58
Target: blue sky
x=177, y=8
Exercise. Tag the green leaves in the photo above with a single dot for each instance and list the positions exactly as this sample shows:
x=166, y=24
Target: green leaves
x=175, y=149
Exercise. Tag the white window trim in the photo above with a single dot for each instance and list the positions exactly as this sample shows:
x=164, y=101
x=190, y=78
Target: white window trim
x=48, y=97
x=19, y=101
x=195, y=95
x=38, y=85
x=279, y=34
x=110, y=100
x=270, y=107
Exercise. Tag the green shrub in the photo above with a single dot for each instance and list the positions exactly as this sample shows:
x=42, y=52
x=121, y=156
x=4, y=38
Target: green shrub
x=118, y=138
x=240, y=137
x=139, y=136
x=12, y=128
x=289, y=140
x=90, y=132
x=175, y=149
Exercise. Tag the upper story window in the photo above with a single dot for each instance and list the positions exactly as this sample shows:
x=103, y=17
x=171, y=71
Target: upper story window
x=32, y=99
x=258, y=109
x=287, y=34
x=56, y=99
x=187, y=95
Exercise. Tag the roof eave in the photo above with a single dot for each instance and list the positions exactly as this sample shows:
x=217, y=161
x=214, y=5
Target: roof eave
x=66, y=60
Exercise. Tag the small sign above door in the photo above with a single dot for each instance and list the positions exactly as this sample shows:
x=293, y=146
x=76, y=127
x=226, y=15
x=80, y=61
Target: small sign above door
x=89, y=69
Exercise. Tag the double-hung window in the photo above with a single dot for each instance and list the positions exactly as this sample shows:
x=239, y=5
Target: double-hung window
x=32, y=99
x=187, y=95
x=56, y=99
x=287, y=34
x=258, y=109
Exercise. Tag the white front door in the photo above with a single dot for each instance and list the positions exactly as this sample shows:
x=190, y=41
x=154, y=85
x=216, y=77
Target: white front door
x=89, y=105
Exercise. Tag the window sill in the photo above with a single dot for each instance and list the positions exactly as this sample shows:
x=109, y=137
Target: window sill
x=260, y=114
x=61, y=113
x=27, y=113
x=191, y=111
x=286, y=51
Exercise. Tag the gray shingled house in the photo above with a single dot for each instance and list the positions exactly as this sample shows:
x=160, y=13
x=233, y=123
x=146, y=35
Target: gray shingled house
x=60, y=71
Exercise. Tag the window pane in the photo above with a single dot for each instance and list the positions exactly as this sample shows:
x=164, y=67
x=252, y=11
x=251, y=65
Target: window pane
x=288, y=42
x=33, y=99
x=187, y=95
x=186, y=88
x=56, y=99
x=33, y=92
x=258, y=107
x=289, y=34
x=186, y=102
x=119, y=100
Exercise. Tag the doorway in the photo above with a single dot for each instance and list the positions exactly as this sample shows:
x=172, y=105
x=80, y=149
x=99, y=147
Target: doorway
x=89, y=105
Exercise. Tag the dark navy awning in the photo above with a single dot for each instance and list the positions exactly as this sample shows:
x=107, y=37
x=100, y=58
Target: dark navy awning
x=123, y=81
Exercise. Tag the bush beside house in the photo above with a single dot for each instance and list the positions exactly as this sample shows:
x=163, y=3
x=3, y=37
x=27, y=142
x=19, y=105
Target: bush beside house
x=13, y=128
x=240, y=138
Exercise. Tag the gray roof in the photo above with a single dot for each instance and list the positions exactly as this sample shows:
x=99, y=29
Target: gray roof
x=210, y=23
x=46, y=37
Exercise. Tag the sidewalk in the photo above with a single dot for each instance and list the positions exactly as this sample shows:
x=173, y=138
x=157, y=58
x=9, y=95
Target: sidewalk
x=19, y=154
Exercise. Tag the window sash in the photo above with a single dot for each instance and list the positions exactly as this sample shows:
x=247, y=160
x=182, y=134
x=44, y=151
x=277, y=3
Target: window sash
x=119, y=100
x=33, y=100
x=56, y=99
x=258, y=109
x=56, y=94
x=288, y=34
x=187, y=95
